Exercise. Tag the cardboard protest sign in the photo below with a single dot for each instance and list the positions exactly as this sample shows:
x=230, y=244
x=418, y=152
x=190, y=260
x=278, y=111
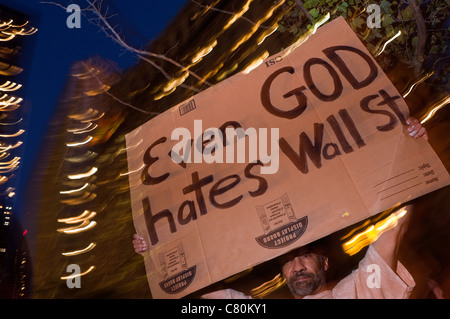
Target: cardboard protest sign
x=304, y=145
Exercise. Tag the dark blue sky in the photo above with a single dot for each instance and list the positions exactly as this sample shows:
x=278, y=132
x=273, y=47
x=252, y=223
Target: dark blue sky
x=51, y=51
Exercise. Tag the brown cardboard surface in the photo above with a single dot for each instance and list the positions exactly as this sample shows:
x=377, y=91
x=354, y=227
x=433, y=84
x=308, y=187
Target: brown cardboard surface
x=207, y=221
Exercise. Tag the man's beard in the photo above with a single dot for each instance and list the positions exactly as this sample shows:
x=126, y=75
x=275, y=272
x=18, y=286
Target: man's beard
x=309, y=284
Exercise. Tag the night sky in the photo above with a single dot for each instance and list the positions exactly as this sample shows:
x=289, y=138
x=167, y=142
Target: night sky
x=49, y=54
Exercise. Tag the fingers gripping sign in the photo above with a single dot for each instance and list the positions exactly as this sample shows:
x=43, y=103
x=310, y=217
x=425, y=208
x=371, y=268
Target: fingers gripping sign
x=416, y=129
x=139, y=244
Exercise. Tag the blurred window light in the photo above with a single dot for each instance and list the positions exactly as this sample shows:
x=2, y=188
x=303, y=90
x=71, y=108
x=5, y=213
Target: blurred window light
x=89, y=173
x=75, y=144
x=81, y=251
x=78, y=275
x=75, y=190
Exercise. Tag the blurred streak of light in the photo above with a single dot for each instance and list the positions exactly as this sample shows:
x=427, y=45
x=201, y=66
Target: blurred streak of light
x=9, y=70
x=89, y=155
x=372, y=233
x=4, y=155
x=10, y=147
x=268, y=287
x=14, y=160
x=426, y=76
x=85, y=198
x=3, y=179
x=134, y=171
x=256, y=26
x=354, y=230
x=9, y=168
x=171, y=85
x=204, y=52
x=86, y=215
x=12, y=36
x=257, y=62
x=19, y=132
x=75, y=190
x=81, y=251
x=78, y=129
x=7, y=23
x=436, y=108
x=12, y=100
x=239, y=275
x=163, y=94
x=205, y=10
x=33, y=30
x=94, y=118
x=101, y=90
x=306, y=36
x=139, y=91
x=5, y=95
x=10, y=86
x=108, y=181
x=22, y=31
x=86, y=225
x=213, y=71
x=389, y=41
x=91, y=72
x=75, y=144
x=91, y=172
x=19, y=26
x=238, y=14
x=83, y=116
x=224, y=74
x=268, y=33
x=87, y=130
x=78, y=275
x=10, y=107
x=13, y=123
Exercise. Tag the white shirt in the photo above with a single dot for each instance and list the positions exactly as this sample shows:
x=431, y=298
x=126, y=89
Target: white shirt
x=373, y=279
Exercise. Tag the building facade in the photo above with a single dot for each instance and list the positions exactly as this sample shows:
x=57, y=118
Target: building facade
x=15, y=28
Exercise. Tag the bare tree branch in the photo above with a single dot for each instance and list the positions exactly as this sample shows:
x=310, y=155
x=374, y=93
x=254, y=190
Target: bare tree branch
x=305, y=12
x=61, y=6
x=117, y=37
x=110, y=31
x=421, y=33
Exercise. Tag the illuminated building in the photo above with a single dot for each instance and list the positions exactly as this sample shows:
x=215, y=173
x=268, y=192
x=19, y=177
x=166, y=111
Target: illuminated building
x=14, y=255
x=82, y=178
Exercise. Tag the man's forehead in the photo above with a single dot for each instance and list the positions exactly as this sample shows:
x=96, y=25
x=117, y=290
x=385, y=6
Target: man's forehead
x=300, y=251
x=307, y=249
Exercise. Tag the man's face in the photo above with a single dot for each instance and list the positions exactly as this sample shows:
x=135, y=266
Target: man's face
x=305, y=274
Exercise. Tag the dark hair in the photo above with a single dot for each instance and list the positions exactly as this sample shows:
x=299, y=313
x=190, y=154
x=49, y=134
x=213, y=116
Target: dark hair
x=311, y=248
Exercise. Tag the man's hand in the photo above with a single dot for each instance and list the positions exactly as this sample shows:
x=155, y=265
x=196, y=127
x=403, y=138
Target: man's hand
x=416, y=129
x=139, y=244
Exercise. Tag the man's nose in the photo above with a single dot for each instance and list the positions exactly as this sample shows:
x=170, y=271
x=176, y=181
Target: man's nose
x=299, y=266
